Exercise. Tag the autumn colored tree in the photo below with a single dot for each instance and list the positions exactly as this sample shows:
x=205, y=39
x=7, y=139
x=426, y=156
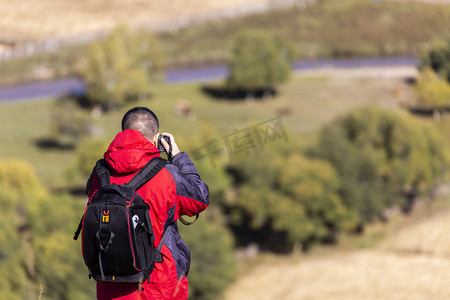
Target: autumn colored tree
x=38, y=258
x=121, y=67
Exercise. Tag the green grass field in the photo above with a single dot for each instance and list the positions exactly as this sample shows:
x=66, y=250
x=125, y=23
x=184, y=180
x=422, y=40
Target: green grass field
x=24, y=124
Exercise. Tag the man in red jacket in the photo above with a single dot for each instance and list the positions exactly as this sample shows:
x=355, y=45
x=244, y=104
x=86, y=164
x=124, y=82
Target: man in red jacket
x=176, y=190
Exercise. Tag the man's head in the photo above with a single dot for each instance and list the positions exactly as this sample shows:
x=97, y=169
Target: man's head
x=143, y=120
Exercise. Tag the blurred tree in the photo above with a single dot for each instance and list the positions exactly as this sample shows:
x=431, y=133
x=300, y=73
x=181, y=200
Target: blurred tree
x=433, y=92
x=315, y=210
x=86, y=156
x=291, y=198
x=259, y=61
x=210, y=160
x=383, y=159
x=38, y=258
x=121, y=67
x=362, y=189
x=68, y=124
x=213, y=264
x=14, y=283
x=438, y=59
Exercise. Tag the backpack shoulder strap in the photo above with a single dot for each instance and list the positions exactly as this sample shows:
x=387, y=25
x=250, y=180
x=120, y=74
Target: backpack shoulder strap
x=102, y=171
x=147, y=172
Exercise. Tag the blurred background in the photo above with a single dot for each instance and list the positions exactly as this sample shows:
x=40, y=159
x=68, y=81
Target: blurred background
x=320, y=126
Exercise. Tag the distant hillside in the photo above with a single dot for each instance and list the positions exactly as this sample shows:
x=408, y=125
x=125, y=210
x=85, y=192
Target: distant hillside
x=28, y=27
x=37, y=20
x=326, y=28
x=34, y=20
x=56, y=18
x=27, y=22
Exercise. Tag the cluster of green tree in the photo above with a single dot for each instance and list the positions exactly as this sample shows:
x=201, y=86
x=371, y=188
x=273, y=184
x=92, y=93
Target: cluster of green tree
x=433, y=83
x=288, y=200
x=383, y=159
x=121, y=67
x=37, y=258
x=362, y=165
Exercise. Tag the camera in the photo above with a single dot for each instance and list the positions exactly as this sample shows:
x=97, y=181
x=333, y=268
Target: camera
x=161, y=147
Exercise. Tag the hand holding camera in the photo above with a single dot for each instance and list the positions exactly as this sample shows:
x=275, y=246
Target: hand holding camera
x=166, y=144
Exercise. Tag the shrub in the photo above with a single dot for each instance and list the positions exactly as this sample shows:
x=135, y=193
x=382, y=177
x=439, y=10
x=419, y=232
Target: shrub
x=259, y=62
x=432, y=91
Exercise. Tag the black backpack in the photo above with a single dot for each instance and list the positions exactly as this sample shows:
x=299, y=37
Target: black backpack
x=116, y=231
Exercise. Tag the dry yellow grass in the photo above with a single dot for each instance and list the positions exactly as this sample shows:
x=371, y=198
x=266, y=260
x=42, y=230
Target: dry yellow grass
x=31, y=19
x=355, y=275
x=412, y=263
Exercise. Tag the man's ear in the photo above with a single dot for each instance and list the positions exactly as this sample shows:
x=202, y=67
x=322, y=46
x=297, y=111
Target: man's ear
x=155, y=139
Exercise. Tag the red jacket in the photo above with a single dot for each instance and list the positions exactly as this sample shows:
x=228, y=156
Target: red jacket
x=176, y=190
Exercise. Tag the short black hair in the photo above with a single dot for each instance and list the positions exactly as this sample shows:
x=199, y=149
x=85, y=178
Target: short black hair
x=141, y=119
